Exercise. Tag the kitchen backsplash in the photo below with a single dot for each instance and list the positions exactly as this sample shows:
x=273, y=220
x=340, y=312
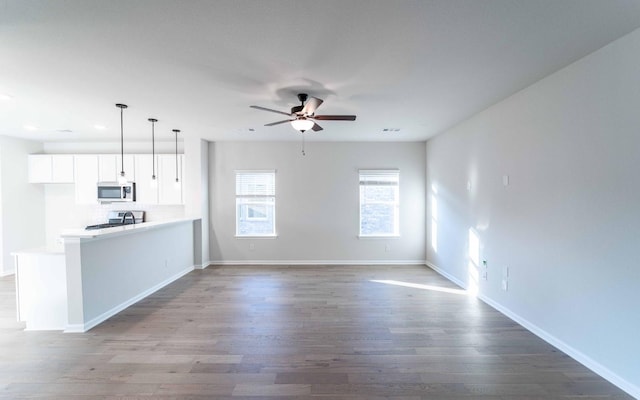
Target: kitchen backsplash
x=62, y=213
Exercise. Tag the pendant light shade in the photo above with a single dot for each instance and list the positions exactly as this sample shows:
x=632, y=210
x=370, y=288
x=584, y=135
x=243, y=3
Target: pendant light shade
x=154, y=181
x=122, y=178
x=177, y=184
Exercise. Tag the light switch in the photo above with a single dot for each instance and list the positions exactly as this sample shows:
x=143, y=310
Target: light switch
x=505, y=180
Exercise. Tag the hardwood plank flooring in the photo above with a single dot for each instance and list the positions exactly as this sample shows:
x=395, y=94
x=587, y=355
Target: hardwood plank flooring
x=285, y=332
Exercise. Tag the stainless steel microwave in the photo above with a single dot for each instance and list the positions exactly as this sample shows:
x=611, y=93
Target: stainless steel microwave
x=113, y=192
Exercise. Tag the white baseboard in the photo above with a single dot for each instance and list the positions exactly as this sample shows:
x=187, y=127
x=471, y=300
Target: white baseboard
x=79, y=328
x=580, y=357
x=446, y=275
x=316, y=262
x=201, y=266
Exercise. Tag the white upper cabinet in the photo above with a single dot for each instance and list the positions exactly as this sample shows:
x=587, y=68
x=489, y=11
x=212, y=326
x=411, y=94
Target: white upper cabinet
x=110, y=167
x=168, y=191
x=86, y=179
x=50, y=168
x=146, y=188
x=86, y=170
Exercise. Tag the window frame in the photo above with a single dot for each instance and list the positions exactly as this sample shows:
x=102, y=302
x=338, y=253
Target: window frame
x=268, y=200
x=395, y=203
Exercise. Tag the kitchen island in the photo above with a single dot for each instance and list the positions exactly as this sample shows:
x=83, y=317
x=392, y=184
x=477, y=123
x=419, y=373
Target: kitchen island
x=109, y=269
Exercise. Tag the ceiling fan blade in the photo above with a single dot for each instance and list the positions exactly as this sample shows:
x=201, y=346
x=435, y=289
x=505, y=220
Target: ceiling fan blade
x=269, y=109
x=334, y=117
x=277, y=123
x=311, y=105
x=316, y=127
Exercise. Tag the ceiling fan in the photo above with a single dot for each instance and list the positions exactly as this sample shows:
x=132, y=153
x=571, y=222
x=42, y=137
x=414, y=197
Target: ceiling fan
x=303, y=117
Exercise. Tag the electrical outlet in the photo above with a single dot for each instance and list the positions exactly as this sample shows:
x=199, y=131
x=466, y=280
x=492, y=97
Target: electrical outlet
x=252, y=246
x=387, y=248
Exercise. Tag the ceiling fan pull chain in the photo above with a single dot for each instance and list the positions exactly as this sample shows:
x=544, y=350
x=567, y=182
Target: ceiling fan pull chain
x=303, y=153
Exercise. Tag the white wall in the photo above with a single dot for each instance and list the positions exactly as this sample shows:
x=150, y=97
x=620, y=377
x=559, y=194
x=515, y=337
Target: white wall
x=21, y=204
x=317, y=209
x=196, y=179
x=568, y=224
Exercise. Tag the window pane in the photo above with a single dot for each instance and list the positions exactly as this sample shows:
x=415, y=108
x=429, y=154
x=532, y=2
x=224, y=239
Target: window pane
x=379, y=203
x=255, y=184
x=377, y=219
x=255, y=216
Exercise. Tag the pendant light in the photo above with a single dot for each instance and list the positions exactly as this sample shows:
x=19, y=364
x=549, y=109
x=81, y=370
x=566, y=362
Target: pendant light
x=177, y=184
x=154, y=181
x=122, y=178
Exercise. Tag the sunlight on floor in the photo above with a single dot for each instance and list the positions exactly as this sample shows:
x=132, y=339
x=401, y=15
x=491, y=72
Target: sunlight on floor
x=420, y=286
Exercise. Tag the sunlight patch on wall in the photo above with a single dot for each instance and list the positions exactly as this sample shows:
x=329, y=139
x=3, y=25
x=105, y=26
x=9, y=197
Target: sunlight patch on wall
x=434, y=223
x=473, y=262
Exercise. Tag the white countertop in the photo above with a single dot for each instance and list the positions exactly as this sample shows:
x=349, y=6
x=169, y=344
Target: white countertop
x=120, y=230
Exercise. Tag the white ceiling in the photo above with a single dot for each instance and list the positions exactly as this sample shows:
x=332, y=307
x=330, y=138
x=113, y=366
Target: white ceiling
x=420, y=66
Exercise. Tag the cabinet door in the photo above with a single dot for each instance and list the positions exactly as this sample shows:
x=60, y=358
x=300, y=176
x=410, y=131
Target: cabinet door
x=107, y=170
x=169, y=191
x=146, y=188
x=86, y=179
x=62, y=168
x=110, y=167
x=40, y=168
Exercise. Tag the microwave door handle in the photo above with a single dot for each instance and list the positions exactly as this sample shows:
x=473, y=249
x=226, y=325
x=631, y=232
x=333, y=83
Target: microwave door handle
x=124, y=192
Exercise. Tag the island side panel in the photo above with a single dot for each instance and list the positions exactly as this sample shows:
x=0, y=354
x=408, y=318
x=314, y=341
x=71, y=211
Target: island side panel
x=121, y=270
x=75, y=311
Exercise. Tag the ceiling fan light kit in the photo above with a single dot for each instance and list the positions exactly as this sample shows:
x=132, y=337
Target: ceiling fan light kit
x=302, y=124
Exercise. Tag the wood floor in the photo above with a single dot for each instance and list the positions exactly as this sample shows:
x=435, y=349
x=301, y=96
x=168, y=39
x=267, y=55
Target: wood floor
x=328, y=332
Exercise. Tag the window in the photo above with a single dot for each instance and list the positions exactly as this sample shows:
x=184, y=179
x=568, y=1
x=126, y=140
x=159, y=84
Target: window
x=255, y=203
x=379, y=202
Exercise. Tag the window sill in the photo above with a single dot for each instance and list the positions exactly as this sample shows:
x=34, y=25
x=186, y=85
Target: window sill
x=257, y=237
x=379, y=237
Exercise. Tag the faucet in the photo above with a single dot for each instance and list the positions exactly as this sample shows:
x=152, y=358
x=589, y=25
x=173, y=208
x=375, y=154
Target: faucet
x=124, y=217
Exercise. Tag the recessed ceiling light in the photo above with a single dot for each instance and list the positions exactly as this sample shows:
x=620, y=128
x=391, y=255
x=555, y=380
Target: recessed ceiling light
x=100, y=127
x=5, y=97
x=30, y=127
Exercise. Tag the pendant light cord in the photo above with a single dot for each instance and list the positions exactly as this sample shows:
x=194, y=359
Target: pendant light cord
x=121, y=142
x=176, y=132
x=176, y=156
x=121, y=107
x=153, y=147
